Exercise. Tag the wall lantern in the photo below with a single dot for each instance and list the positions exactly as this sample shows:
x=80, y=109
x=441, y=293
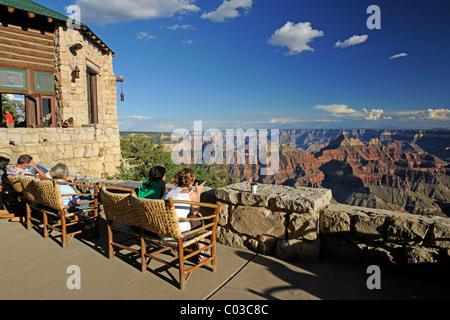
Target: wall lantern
x=122, y=96
x=76, y=72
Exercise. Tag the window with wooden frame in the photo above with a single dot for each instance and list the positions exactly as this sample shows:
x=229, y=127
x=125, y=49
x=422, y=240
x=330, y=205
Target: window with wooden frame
x=12, y=79
x=40, y=111
x=44, y=81
x=32, y=107
x=38, y=89
x=92, y=105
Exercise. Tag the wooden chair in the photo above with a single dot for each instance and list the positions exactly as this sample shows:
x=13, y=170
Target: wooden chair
x=4, y=213
x=120, y=217
x=45, y=196
x=156, y=221
x=11, y=192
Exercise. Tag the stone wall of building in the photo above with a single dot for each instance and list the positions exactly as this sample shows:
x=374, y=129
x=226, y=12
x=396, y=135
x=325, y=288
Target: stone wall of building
x=297, y=223
x=88, y=149
x=91, y=150
x=71, y=94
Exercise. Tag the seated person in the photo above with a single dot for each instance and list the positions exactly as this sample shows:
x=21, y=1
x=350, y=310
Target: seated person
x=155, y=186
x=24, y=165
x=4, y=162
x=68, y=123
x=184, y=179
x=60, y=172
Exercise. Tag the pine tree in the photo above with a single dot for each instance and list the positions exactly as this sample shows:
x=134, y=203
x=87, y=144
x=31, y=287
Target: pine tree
x=141, y=152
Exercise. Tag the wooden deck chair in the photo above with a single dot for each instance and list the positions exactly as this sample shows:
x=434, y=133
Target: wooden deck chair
x=45, y=196
x=120, y=218
x=157, y=222
x=4, y=213
x=161, y=218
x=12, y=197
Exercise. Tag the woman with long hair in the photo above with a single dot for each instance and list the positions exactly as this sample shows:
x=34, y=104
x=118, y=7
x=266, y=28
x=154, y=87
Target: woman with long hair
x=155, y=186
x=185, y=180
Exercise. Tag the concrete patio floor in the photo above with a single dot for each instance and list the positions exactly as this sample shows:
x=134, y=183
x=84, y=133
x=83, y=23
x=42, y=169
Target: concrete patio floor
x=34, y=268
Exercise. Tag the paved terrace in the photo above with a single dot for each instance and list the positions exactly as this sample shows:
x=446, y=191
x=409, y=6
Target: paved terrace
x=34, y=268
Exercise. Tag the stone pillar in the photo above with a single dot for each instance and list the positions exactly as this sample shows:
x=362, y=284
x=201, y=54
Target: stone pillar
x=278, y=220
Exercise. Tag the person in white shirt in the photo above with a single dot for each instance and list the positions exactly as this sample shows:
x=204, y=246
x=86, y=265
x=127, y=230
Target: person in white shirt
x=185, y=179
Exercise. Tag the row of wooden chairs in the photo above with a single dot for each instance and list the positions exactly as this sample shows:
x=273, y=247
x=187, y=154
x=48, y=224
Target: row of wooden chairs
x=152, y=224
x=43, y=198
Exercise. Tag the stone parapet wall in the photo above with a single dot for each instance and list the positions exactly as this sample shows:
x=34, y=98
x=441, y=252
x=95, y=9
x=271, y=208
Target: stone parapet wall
x=297, y=223
x=413, y=244
x=273, y=219
x=88, y=150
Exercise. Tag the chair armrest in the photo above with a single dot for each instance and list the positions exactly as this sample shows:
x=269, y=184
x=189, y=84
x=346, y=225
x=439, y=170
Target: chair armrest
x=114, y=188
x=76, y=184
x=200, y=204
x=94, y=194
x=197, y=219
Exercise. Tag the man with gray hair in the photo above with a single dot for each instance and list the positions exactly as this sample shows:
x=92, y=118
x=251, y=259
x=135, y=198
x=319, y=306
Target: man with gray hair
x=60, y=172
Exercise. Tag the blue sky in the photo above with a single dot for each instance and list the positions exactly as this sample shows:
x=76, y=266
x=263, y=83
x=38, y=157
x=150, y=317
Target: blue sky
x=267, y=64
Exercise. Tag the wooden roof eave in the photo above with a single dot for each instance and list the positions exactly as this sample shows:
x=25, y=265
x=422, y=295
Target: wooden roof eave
x=84, y=28
x=89, y=33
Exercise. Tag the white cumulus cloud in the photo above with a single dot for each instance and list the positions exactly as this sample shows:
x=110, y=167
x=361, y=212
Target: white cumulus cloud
x=398, y=55
x=295, y=37
x=145, y=35
x=227, y=10
x=183, y=27
x=113, y=11
x=374, y=114
x=136, y=117
x=438, y=114
x=14, y=97
x=351, y=41
x=335, y=108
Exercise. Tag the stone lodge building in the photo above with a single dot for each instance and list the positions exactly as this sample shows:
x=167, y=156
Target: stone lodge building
x=63, y=70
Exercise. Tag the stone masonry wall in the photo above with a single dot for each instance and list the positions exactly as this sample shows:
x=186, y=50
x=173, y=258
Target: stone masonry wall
x=274, y=218
x=71, y=94
x=297, y=223
x=398, y=242
x=88, y=149
x=92, y=150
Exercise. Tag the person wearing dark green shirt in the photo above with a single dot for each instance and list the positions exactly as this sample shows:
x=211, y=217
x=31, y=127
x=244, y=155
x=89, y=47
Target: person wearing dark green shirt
x=155, y=186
